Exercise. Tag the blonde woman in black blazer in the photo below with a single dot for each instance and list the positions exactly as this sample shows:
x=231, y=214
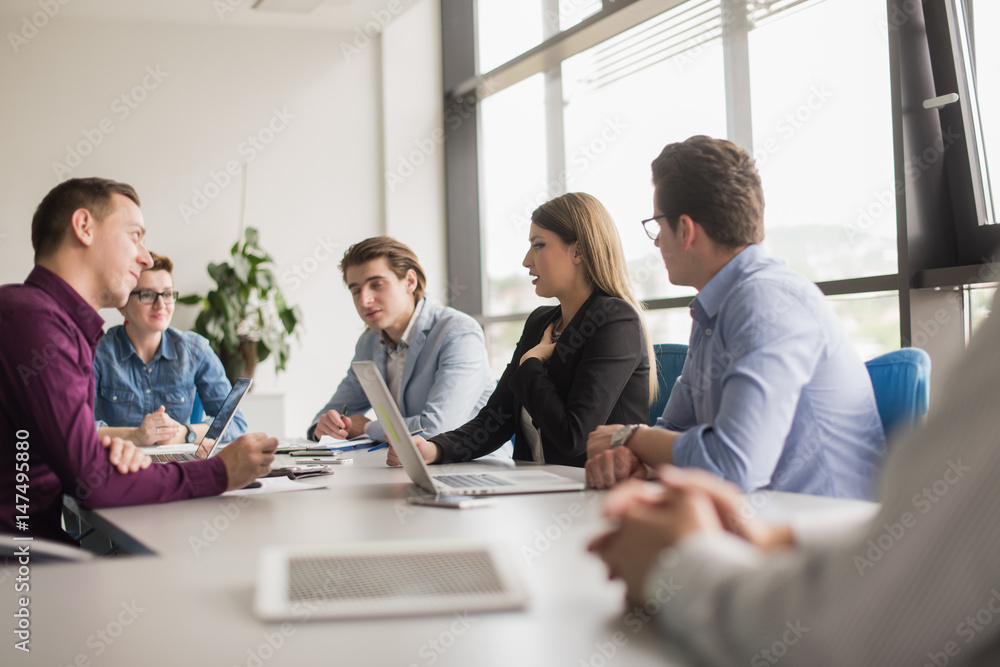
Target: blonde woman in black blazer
x=578, y=365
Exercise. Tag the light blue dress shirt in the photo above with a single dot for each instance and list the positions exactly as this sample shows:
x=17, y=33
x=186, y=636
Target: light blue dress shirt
x=773, y=394
x=127, y=389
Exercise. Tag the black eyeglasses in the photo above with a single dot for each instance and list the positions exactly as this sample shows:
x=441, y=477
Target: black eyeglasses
x=148, y=296
x=652, y=227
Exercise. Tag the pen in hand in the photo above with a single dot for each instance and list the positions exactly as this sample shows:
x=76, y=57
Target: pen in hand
x=386, y=444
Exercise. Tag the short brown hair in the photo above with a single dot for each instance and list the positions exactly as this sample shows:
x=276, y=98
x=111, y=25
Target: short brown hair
x=161, y=263
x=399, y=256
x=716, y=183
x=52, y=217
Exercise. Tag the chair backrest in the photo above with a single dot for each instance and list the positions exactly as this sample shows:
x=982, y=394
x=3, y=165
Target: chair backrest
x=901, y=380
x=669, y=364
x=197, y=410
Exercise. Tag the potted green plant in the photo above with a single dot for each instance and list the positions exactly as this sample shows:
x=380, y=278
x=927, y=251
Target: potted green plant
x=245, y=317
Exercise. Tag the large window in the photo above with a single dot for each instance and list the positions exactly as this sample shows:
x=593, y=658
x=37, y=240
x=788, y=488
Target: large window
x=508, y=28
x=514, y=182
x=822, y=138
x=986, y=54
x=625, y=98
x=583, y=94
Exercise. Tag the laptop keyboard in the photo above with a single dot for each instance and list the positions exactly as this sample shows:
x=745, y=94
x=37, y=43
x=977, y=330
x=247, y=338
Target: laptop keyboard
x=471, y=480
x=167, y=458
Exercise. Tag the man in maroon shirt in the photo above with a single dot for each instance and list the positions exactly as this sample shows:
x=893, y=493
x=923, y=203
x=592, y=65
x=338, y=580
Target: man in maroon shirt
x=88, y=239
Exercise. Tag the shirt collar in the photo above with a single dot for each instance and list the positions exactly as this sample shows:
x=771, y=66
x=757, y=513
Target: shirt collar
x=404, y=340
x=70, y=301
x=167, y=347
x=123, y=346
x=125, y=349
x=706, y=305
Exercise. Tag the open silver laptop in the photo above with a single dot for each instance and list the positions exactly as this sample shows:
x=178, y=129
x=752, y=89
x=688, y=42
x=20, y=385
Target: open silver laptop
x=468, y=484
x=210, y=444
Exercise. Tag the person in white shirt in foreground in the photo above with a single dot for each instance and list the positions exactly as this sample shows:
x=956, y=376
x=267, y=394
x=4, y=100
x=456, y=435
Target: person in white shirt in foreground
x=918, y=584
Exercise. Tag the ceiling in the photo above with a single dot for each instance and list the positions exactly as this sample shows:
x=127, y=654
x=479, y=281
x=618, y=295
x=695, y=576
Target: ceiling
x=340, y=15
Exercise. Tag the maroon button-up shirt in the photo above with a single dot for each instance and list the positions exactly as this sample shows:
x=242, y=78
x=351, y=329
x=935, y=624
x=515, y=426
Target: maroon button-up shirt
x=48, y=334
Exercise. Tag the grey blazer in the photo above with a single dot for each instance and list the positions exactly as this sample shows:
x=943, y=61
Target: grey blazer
x=446, y=378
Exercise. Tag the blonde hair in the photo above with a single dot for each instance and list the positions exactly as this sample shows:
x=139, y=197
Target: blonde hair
x=577, y=217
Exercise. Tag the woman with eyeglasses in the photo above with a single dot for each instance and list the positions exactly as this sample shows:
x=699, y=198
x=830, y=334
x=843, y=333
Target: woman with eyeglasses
x=148, y=373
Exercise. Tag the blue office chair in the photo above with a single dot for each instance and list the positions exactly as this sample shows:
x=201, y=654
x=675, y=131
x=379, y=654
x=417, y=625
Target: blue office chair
x=901, y=380
x=197, y=410
x=669, y=364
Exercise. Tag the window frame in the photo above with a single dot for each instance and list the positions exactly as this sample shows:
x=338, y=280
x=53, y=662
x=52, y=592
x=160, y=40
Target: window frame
x=939, y=243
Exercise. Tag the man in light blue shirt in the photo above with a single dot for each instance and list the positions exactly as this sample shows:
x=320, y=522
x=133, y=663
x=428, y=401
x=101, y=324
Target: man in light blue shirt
x=433, y=358
x=772, y=394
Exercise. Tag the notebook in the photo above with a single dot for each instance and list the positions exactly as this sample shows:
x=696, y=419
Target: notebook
x=209, y=445
x=467, y=484
x=385, y=578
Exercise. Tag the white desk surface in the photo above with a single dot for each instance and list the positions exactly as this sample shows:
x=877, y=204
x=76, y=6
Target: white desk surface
x=191, y=603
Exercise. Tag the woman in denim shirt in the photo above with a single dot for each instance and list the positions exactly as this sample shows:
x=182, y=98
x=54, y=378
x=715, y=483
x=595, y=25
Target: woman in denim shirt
x=148, y=372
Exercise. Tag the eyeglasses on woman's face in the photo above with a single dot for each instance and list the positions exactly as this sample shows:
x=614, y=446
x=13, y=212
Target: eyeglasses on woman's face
x=148, y=296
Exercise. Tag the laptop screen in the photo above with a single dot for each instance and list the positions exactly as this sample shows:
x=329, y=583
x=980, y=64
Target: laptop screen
x=222, y=419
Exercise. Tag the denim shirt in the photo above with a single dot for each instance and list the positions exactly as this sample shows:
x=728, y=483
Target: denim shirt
x=127, y=389
x=773, y=394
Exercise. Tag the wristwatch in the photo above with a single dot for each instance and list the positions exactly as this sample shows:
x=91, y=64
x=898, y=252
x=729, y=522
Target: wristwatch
x=191, y=435
x=622, y=435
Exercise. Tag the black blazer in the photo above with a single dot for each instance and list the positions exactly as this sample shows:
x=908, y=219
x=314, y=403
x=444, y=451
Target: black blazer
x=598, y=374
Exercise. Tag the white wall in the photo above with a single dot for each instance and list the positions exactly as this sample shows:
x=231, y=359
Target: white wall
x=313, y=190
x=413, y=139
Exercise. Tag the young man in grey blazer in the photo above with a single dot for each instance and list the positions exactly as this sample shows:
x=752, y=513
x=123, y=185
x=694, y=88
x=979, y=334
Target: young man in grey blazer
x=433, y=358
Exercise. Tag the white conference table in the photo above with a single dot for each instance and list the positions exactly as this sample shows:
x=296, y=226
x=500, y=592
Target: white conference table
x=191, y=602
